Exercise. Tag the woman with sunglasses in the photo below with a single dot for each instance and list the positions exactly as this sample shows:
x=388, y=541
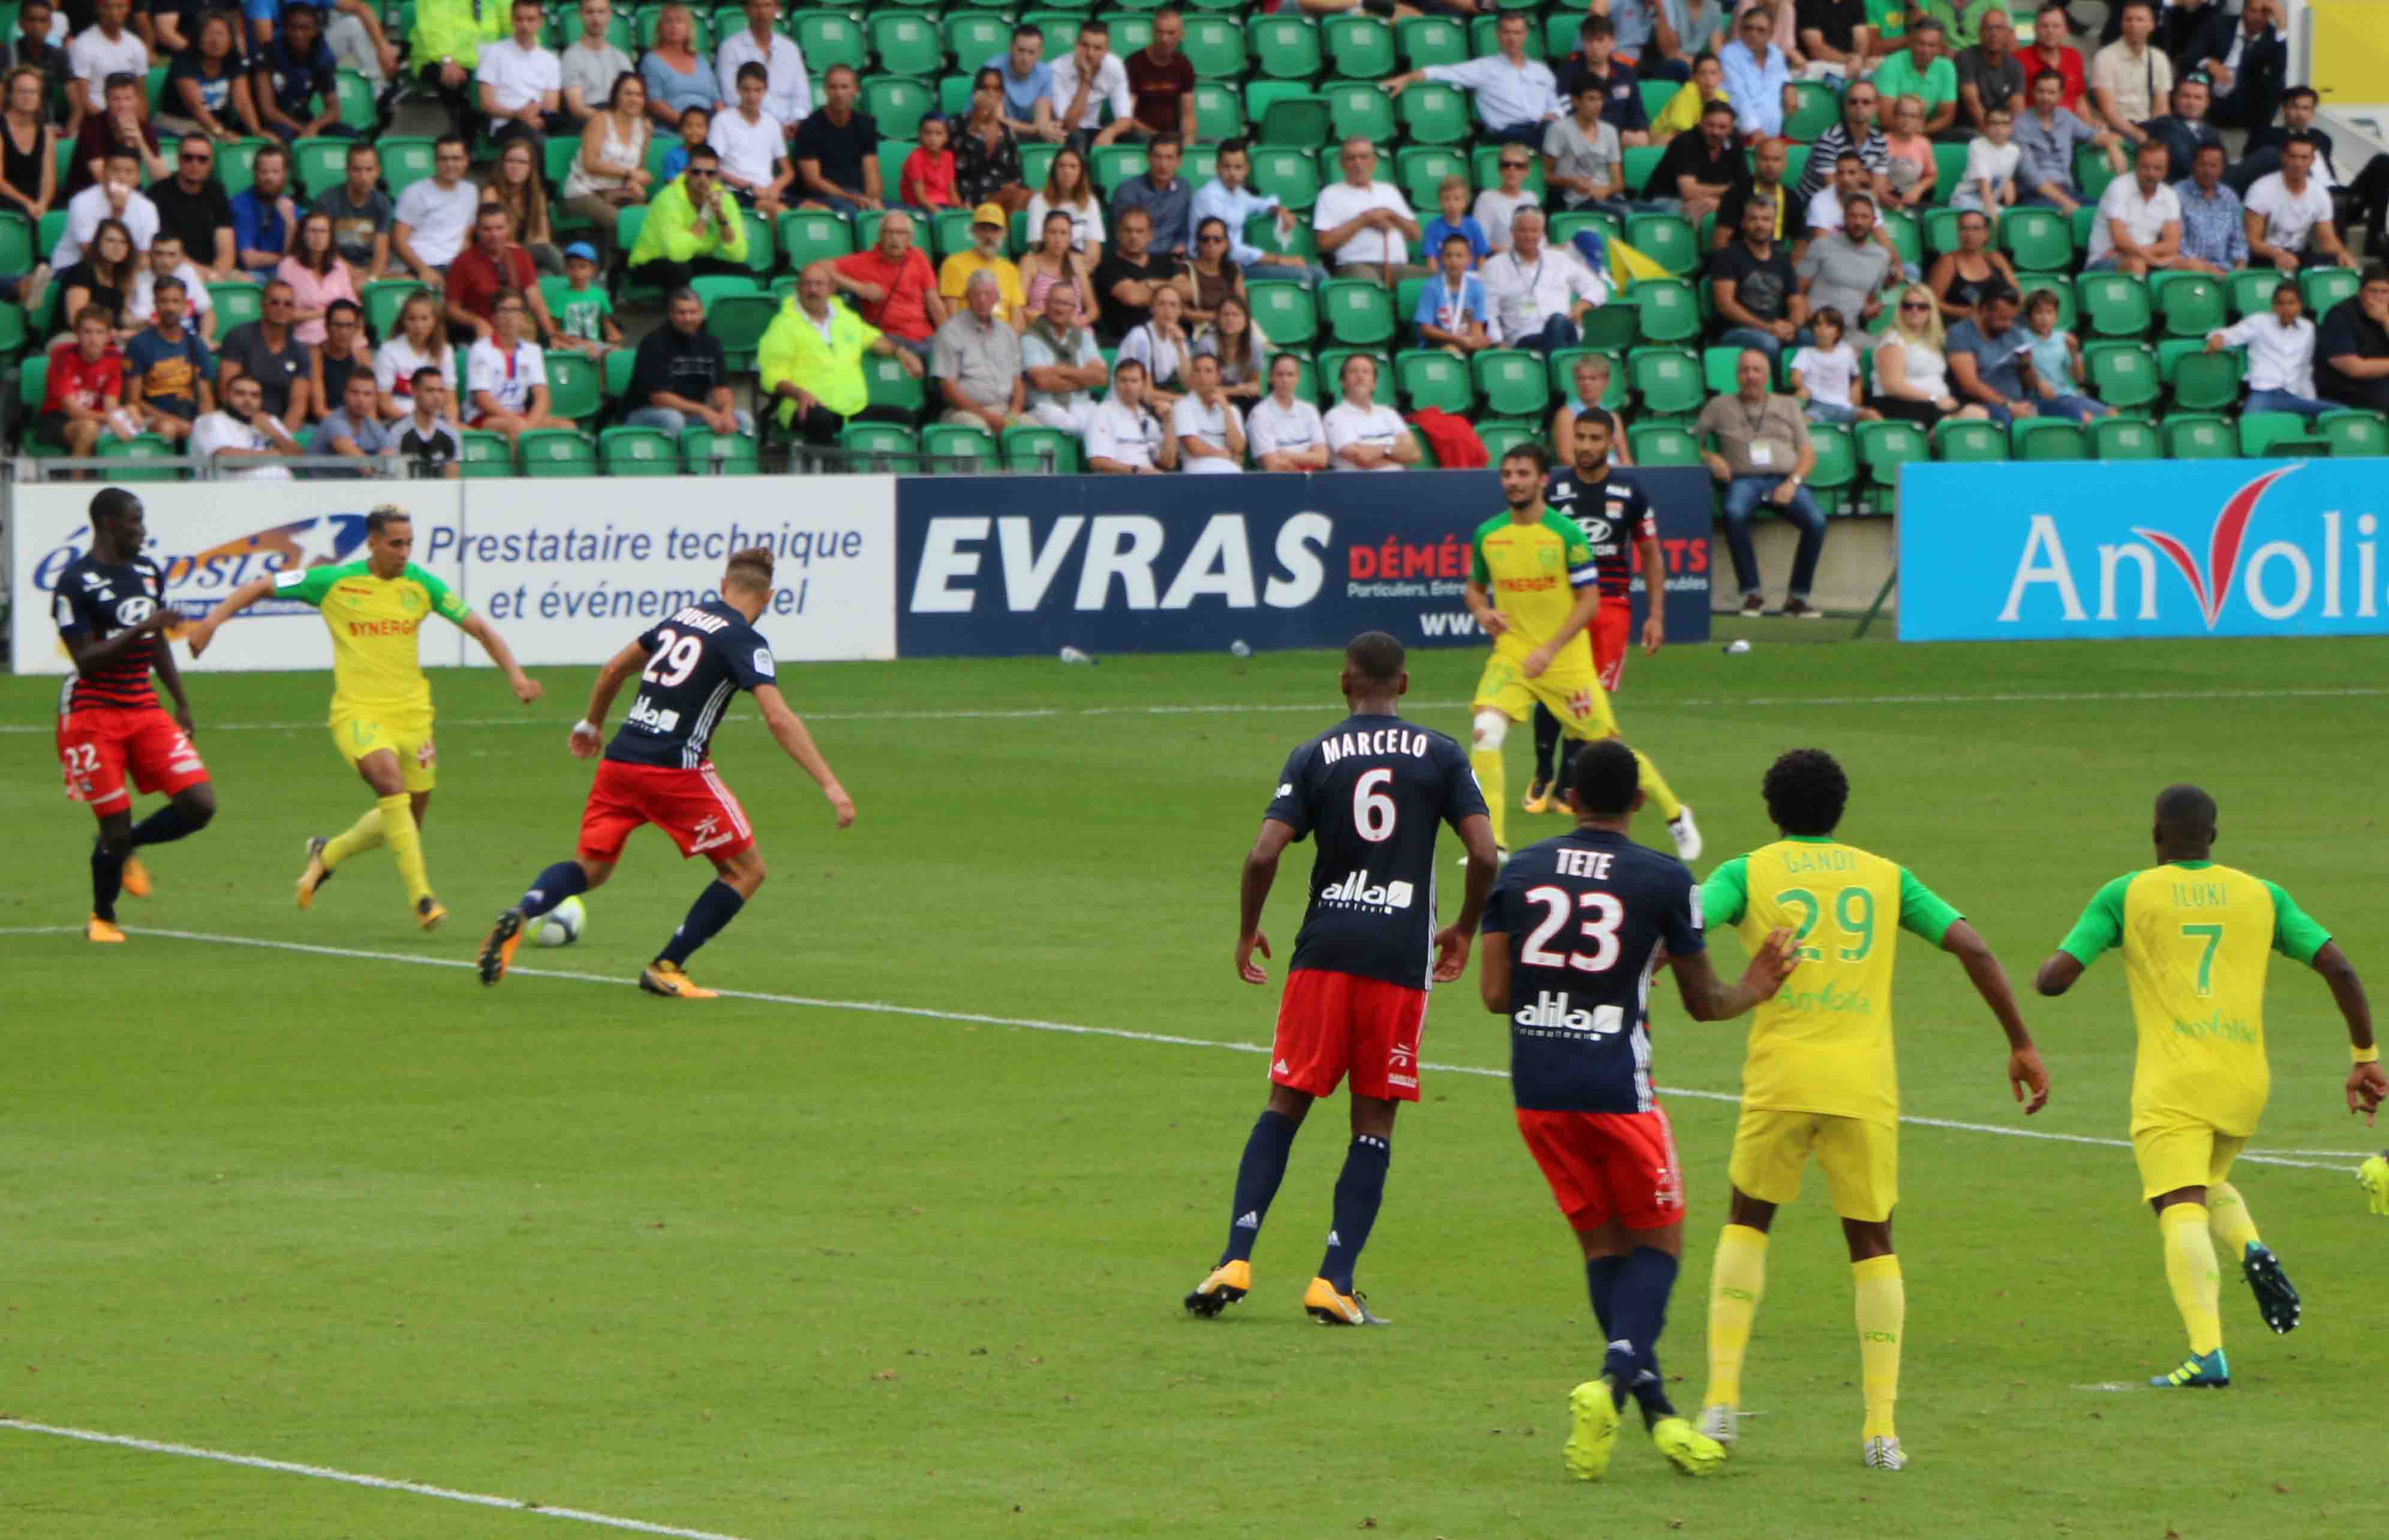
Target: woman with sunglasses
x=1911, y=372
x=1495, y=207
x=1960, y=278
x=1217, y=278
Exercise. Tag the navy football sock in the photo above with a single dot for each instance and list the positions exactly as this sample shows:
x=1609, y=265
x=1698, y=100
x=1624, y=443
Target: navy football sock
x=107, y=881
x=1358, y=1192
x=165, y=825
x=1638, y=1311
x=1547, y=740
x=1257, y=1174
x=714, y=908
x=1600, y=1282
x=552, y=887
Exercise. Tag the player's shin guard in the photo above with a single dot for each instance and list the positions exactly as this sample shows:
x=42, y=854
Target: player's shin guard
x=1547, y=741
x=2191, y=1271
x=1358, y=1192
x=552, y=887
x=1485, y=757
x=1639, y=1313
x=714, y=908
x=2229, y=1221
x=1882, y=1315
x=357, y=839
x=1655, y=786
x=1737, y=1281
x=405, y=843
x=1257, y=1176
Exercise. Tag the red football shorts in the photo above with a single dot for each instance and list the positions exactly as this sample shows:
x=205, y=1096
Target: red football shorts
x=98, y=748
x=1608, y=1165
x=693, y=806
x=1332, y=1024
x=1613, y=627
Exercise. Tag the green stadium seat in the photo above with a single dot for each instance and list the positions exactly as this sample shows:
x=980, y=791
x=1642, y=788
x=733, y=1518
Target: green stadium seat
x=2198, y=436
x=1215, y=46
x=1639, y=162
x=322, y=163
x=1218, y=114
x=2191, y=303
x=2046, y=439
x=618, y=364
x=2036, y=239
x=738, y=321
x=2260, y=433
x=2079, y=225
x=2093, y=173
x=1130, y=33
x=1359, y=47
x=2325, y=287
x=2117, y=304
x=1941, y=228
x=2059, y=284
x=1433, y=113
x=1614, y=327
x=382, y=297
x=1665, y=239
x=888, y=383
x=1884, y=448
x=2122, y=374
x=357, y=110
x=1284, y=47
x=486, y=454
x=706, y=453
x=1836, y=471
x=1287, y=174
x=832, y=37
x=2354, y=434
x=1061, y=30
x=1420, y=168
x=156, y=460
x=238, y=303
x=1262, y=231
x=1819, y=109
x=1513, y=382
x=2252, y=290
x=559, y=451
x=1481, y=39
x=16, y=329
x=1039, y=448
x=2202, y=382
x=1948, y=171
x=1036, y=160
x=236, y=165
x=907, y=42
x=1668, y=379
x=1430, y=376
x=575, y=389
x=883, y=442
x=16, y=243
x=1717, y=364
x=950, y=231
x=1358, y=107
x=1656, y=443
x=974, y=37
x=638, y=452
x=1359, y=313
x=1670, y=312
x=1499, y=435
x=1113, y=165
x=1657, y=94
x=1564, y=227
x=965, y=449
x=1431, y=39
x=2123, y=439
x=1969, y=441
x=404, y=161
x=897, y=99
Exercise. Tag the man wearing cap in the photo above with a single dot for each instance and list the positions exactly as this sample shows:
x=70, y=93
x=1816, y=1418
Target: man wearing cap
x=985, y=254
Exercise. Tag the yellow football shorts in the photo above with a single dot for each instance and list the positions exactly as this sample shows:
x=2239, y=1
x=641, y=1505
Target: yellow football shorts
x=1570, y=688
x=408, y=735
x=2179, y=1153
x=1860, y=1159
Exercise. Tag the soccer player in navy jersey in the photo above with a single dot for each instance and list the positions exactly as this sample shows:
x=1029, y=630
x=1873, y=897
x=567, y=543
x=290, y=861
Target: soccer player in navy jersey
x=1573, y=932
x=113, y=616
x=1373, y=789
x=658, y=770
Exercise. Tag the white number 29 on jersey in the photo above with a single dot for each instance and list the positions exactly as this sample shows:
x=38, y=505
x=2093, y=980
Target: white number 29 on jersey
x=675, y=657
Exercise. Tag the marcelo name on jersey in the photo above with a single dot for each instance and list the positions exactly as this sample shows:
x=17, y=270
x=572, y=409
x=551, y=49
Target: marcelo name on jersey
x=1371, y=791
x=697, y=658
x=1613, y=512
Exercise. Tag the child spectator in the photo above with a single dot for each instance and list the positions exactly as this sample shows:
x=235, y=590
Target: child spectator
x=1825, y=374
x=2280, y=356
x=2056, y=359
x=584, y=311
x=927, y=179
x=1452, y=196
x=1909, y=166
x=696, y=127
x=1682, y=113
x=1989, y=184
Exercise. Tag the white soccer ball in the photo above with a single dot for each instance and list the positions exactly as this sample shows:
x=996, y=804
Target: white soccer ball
x=561, y=926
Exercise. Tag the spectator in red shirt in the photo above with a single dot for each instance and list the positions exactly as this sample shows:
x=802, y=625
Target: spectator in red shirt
x=893, y=287
x=2049, y=30
x=1161, y=80
x=492, y=265
x=85, y=396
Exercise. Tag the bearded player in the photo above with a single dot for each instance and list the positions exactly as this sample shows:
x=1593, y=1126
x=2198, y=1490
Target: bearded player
x=659, y=770
x=1610, y=506
x=111, y=615
x=1535, y=587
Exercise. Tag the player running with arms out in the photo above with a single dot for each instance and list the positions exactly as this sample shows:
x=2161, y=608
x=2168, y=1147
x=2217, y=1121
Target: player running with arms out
x=1820, y=1079
x=2196, y=939
x=381, y=703
x=1534, y=587
x=659, y=770
x=1610, y=506
x=113, y=616
x=1573, y=930
x=1372, y=790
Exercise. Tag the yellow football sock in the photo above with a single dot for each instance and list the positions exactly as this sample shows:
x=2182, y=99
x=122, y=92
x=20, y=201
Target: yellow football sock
x=1737, y=1278
x=405, y=843
x=2229, y=1221
x=1654, y=786
x=1882, y=1315
x=360, y=837
x=1486, y=762
x=2190, y=1269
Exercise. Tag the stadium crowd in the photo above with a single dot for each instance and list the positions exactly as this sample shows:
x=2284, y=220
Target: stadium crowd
x=1317, y=234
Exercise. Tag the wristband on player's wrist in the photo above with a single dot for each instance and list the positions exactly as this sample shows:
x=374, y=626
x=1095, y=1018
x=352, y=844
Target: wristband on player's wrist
x=2365, y=1055
x=584, y=726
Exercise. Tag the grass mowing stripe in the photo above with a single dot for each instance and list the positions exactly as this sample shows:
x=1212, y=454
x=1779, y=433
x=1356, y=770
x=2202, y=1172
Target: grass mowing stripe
x=354, y=1478
x=1080, y=1030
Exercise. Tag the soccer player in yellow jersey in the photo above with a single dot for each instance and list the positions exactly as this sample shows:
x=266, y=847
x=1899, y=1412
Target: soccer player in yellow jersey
x=1534, y=586
x=381, y=702
x=1820, y=1079
x=2196, y=939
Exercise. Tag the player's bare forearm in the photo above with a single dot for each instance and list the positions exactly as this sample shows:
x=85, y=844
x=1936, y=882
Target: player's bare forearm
x=1258, y=877
x=1493, y=972
x=170, y=673
x=1708, y=998
x=1990, y=981
x=526, y=689
x=2057, y=975
x=237, y=600
x=609, y=682
x=1480, y=604
x=1587, y=605
x=2347, y=991
x=1484, y=866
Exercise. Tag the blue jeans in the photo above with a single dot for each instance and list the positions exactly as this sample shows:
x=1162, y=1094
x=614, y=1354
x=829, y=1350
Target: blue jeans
x=1743, y=495
x=2283, y=401
x=671, y=421
x=1311, y=274
x=1557, y=333
x=1527, y=133
x=1825, y=411
x=2075, y=408
x=1752, y=336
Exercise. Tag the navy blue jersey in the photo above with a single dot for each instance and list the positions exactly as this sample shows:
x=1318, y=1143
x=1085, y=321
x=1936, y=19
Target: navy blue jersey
x=1372, y=790
x=697, y=660
x=95, y=601
x=1613, y=512
x=1586, y=913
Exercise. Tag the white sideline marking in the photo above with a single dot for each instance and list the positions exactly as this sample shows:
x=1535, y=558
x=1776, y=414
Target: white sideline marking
x=2339, y=1162
x=353, y=1478
x=2000, y=698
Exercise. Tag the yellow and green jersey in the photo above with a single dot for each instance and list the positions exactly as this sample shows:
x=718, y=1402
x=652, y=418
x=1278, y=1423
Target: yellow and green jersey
x=1534, y=572
x=375, y=666
x=1823, y=1044
x=2196, y=939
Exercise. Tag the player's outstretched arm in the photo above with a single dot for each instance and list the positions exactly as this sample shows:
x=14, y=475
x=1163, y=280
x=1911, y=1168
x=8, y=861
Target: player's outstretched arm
x=2026, y=1078
x=589, y=733
x=1484, y=865
x=1252, y=892
x=526, y=689
x=2366, y=1086
x=1706, y=996
x=797, y=743
x=203, y=630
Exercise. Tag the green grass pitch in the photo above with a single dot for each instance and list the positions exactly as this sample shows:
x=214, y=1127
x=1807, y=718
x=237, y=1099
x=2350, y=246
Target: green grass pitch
x=790, y=1268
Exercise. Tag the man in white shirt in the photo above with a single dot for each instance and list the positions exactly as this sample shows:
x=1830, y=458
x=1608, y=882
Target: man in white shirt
x=1282, y=432
x=1515, y=95
x=1088, y=82
x=591, y=63
x=435, y=215
x=1540, y=295
x=1364, y=223
x=2131, y=76
x=1210, y=436
x=753, y=146
x=1123, y=437
x=520, y=84
x=506, y=377
x=241, y=432
x=107, y=47
x=2288, y=215
x=166, y=260
x=2281, y=346
x=788, y=94
x=2139, y=227
x=1363, y=434
x=116, y=194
